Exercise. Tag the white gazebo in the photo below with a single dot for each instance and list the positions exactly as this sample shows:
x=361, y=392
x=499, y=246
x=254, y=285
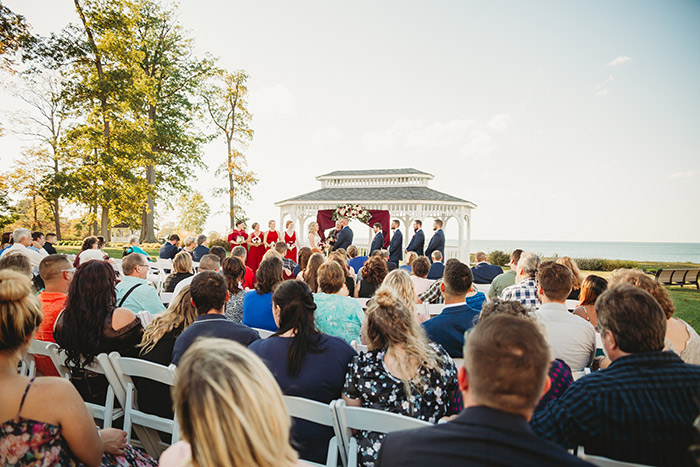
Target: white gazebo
x=402, y=192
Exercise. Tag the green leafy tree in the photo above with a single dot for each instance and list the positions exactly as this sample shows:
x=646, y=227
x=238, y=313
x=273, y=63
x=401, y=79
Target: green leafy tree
x=193, y=212
x=8, y=214
x=14, y=34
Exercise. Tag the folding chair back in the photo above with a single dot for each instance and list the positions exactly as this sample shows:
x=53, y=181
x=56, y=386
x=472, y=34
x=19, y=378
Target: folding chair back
x=601, y=461
x=317, y=412
x=264, y=333
x=39, y=348
x=166, y=298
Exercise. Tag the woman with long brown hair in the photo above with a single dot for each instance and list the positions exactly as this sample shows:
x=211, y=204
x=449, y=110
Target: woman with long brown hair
x=592, y=287
x=234, y=270
x=310, y=273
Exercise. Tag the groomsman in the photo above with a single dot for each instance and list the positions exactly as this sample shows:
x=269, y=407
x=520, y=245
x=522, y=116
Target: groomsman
x=396, y=245
x=418, y=239
x=378, y=241
x=437, y=242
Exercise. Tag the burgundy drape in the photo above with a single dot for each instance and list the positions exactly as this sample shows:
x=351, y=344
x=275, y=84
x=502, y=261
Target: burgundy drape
x=325, y=222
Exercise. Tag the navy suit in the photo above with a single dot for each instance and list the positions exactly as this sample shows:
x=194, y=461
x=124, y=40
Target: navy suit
x=479, y=436
x=417, y=242
x=437, y=243
x=396, y=247
x=344, y=239
x=484, y=273
x=436, y=271
x=447, y=328
x=377, y=242
x=168, y=251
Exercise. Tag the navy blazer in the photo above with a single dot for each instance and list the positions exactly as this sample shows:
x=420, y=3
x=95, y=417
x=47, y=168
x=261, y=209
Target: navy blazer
x=168, y=251
x=484, y=273
x=479, y=436
x=417, y=242
x=447, y=328
x=396, y=247
x=377, y=242
x=437, y=242
x=344, y=239
x=436, y=271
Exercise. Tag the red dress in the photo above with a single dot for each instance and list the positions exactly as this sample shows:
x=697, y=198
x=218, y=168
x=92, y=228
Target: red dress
x=237, y=238
x=291, y=241
x=256, y=251
x=272, y=238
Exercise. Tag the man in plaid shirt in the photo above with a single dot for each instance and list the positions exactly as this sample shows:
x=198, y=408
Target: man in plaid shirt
x=288, y=264
x=525, y=288
x=434, y=294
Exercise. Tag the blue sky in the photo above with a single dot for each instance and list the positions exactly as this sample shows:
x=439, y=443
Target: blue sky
x=560, y=120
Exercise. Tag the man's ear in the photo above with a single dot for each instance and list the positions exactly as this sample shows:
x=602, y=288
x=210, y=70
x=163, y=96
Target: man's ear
x=463, y=379
x=609, y=339
x=442, y=287
x=192, y=302
x=540, y=290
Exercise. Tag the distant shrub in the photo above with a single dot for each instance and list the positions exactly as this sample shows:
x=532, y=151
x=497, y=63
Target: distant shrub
x=598, y=264
x=498, y=257
x=219, y=242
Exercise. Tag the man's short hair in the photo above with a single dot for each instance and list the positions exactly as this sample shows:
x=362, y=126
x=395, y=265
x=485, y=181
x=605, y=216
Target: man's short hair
x=239, y=252
x=437, y=256
x=37, y=235
x=174, y=238
x=420, y=266
x=352, y=251
x=130, y=262
x=218, y=251
x=281, y=247
x=419, y=222
x=506, y=358
x=385, y=253
x=378, y=225
x=438, y=222
x=515, y=256
x=53, y=266
x=50, y=234
x=457, y=278
x=209, y=262
x=528, y=263
x=201, y=238
x=396, y=221
x=555, y=279
x=208, y=290
x=480, y=256
x=19, y=234
x=633, y=316
x=17, y=262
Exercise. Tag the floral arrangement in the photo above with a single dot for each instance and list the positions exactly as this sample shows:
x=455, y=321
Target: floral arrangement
x=352, y=211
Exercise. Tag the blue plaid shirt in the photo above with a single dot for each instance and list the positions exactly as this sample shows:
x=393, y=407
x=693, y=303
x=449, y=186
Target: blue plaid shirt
x=640, y=409
x=524, y=292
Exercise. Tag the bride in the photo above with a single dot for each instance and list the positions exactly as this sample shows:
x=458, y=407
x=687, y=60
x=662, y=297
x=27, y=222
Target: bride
x=314, y=238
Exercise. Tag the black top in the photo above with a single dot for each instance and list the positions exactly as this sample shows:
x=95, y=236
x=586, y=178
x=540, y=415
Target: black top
x=214, y=325
x=173, y=279
x=366, y=289
x=574, y=294
x=479, y=436
x=350, y=284
x=49, y=248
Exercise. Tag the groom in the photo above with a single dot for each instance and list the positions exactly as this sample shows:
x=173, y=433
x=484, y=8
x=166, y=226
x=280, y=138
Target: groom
x=345, y=236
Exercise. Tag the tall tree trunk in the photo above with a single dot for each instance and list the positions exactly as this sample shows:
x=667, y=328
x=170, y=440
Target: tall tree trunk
x=104, y=224
x=231, y=204
x=94, y=222
x=147, y=218
x=56, y=207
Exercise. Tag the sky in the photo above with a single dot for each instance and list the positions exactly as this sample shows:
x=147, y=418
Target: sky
x=572, y=121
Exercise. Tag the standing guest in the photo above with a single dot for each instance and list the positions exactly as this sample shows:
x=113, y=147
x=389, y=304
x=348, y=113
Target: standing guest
x=304, y=255
x=448, y=328
x=238, y=236
x=402, y=372
x=290, y=238
x=571, y=338
x=230, y=411
x=249, y=278
x=256, y=248
x=576, y=272
x=332, y=236
x=418, y=240
x=503, y=377
x=337, y=314
x=378, y=240
x=201, y=249
x=437, y=241
x=349, y=279
x=133, y=292
x=170, y=248
x=396, y=244
x=310, y=273
x=209, y=295
x=525, y=288
x=419, y=274
x=411, y=256
x=234, y=269
x=373, y=273
x=437, y=269
x=92, y=323
x=157, y=346
x=506, y=279
x=593, y=287
x=272, y=236
x=304, y=362
x=641, y=408
x=257, y=304
x=22, y=240
x=288, y=264
x=219, y=251
x=182, y=269
x=355, y=262
x=314, y=238
x=345, y=236
x=208, y=263
x=190, y=245
x=483, y=271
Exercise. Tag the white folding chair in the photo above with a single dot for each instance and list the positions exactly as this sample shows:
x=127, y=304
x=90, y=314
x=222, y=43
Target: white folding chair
x=264, y=333
x=166, y=298
x=482, y=288
x=42, y=348
x=358, y=347
x=126, y=368
x=317, y=412
x=572, y=304
x=358, y=418
x=363, y=302
x=601, y=461
x=435, y=309
x=156, y=276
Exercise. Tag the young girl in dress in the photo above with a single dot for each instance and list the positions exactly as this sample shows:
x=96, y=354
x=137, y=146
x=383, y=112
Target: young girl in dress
x=290, y=238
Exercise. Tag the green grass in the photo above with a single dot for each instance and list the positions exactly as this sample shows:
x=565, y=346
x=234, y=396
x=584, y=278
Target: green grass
x=112, y=252
x=687, y=301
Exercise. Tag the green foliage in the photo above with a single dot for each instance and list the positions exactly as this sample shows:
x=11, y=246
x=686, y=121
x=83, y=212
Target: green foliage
x=687, y=301
x=498, y=257
x=193, y=212
x=220, y=242
x=597, y=264
x=14, y=34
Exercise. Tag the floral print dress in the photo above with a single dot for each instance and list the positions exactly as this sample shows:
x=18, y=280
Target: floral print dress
x=369, y=380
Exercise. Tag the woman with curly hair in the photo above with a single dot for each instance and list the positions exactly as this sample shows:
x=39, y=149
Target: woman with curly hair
x=373, y=273
x=234, y=270
x=257, y=304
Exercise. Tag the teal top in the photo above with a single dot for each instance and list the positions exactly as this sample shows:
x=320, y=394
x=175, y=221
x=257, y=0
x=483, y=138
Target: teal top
x=138, y=249
x=143, y=297
x=338, y=316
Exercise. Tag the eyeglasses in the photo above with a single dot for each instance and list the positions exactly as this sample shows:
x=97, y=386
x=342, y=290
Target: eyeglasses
x=68, y=270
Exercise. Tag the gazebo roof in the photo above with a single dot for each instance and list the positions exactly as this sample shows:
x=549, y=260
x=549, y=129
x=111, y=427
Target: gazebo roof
x=371, y=172
x=408, y=193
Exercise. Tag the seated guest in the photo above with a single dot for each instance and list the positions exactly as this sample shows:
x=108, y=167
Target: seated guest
x=207, y=263
x=220, y=252
x=249, y=277
x=571, y=338
x=45, y=420
x=504, y=375
x=304, y=255
x=6, y=241
x=18, y=263
x=51, y=240
x=419, y=274
x=354, y=261
x=501, y=281
x=437, y=268
x=182, y=269
x=134, y=247
x=592, y=287
x=434, y=294
x=373, y=273
x=189, y=245
x=170, y=248
x=230, y=410
x=288, y=264
x=37, y=241
x=525, y=289
x=576, y=272
x=257, y=304
x=201, y=249
x=402, y=372
x=234, y=270
x=410, y=258
x=400, y=283
x=157, y=346
x=641, y=408
x=22, y=241
x=92, y=323
x=349, y=279
x=391, y=265
x=336, y=313
x=209, y=295
x=133, y=292
x=310, y=273
x=304, y=362
x=448, y=328
x=483, y=271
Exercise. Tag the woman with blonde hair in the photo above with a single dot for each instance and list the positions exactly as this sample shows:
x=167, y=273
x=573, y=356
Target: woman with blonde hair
x=576, y=272
x=400, y=282
x=402, y=371
x=314, y=238
x=411, y=256
x=182, y=269
x=230, y=409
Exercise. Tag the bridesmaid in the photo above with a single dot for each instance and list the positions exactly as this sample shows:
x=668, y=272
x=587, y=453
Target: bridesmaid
x=256, y=248
x=314, y=238
x=238, y=236
x=272, y=236
x=290, y=238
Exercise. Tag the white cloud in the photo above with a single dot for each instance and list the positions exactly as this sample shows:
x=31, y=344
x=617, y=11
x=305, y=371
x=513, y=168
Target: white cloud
x=619, y=60
x=499, y=122
x=384, y=140
x=601, y=89
x=273, y=102
x=327, y=136
x=479, y=145
x=687, y=174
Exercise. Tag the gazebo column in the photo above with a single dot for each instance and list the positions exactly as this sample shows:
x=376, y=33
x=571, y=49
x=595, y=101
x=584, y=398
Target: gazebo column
x=460, y=244
x=468, y=220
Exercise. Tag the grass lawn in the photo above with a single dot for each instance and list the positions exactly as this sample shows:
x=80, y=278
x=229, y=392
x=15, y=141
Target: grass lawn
x=112, y=252
x=687, y=300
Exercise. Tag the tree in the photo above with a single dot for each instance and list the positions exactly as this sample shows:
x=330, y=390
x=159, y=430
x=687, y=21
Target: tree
x=8, y=214
x=29, y=180
x=193, y=212
x=225, y=100
x=14, y=34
